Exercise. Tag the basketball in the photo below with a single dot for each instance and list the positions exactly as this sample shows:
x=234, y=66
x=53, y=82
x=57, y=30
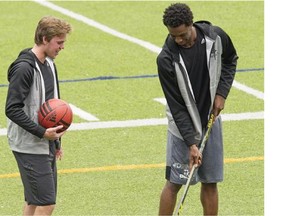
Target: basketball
x=55, y=112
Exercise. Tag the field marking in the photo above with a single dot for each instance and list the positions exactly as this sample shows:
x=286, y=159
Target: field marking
x=156, y=121
x=251, y=91
x=129, y=167
x=83, y=114
x=98, y=25
x=242, y=116
x=161, y=100
x=123, y=36
x=101, y=78
x=148, y=122
x=239, y=160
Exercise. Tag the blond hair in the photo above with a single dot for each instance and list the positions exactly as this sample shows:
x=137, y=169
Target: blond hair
x=50, y=27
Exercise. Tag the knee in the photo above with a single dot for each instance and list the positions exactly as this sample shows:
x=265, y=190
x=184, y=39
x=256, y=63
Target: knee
x=51, y=207
x=46, y=210
x=172, y=188
x=209, y=187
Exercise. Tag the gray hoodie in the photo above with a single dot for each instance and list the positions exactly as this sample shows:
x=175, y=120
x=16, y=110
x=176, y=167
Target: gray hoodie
x=26, y=93
x=183, y=116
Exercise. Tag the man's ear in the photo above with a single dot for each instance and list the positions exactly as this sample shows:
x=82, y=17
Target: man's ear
x=44, y=40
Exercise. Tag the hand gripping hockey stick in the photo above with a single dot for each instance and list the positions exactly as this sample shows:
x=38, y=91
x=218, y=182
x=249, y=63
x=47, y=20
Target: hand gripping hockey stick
x=202, y=146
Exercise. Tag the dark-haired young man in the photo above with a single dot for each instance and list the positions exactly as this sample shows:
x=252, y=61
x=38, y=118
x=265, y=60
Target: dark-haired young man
x=196, y=70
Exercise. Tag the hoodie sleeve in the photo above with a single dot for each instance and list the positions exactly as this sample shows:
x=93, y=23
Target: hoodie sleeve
x=229, y=63
x=174, y=99
x=20, y=77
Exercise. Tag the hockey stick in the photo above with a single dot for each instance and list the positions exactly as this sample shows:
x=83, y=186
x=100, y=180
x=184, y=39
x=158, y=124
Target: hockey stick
x=203, y=143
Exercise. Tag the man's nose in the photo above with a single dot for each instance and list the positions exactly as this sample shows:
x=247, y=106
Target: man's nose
x=178, y=39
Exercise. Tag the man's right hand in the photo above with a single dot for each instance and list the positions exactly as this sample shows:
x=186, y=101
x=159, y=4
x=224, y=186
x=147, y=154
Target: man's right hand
x=195, y=156
x=51, y=133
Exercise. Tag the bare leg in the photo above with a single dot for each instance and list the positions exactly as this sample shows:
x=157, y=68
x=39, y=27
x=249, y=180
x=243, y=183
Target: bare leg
x=209, y=199
x=28, y=209
x=168, y=198
x=44, y=210
x=37, y=210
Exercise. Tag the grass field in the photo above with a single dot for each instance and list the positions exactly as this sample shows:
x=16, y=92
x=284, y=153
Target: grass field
x=115, y=165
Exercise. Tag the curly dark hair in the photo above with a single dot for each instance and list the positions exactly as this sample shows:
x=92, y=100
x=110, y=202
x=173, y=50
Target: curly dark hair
x=177, y=14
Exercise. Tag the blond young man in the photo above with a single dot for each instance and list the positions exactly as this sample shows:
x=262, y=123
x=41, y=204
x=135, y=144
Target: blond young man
x=32, y=81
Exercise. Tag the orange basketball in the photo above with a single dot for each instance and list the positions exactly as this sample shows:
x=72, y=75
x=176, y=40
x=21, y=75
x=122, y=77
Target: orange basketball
x=55, y=112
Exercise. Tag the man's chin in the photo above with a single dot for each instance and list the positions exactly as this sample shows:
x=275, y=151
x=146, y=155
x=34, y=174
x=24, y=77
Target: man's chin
x=184, y=46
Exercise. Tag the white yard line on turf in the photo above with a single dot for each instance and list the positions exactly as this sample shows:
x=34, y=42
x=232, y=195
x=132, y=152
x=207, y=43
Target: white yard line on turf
x=123, y=36
x=248, y=90
x=148, y=122
x=82, y=114
x=100, y=26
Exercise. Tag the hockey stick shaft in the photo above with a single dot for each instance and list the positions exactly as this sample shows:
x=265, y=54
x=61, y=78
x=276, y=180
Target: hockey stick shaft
x=202, y=146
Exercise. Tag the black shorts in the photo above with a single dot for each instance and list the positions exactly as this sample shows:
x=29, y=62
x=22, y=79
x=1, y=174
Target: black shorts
x=39, y=177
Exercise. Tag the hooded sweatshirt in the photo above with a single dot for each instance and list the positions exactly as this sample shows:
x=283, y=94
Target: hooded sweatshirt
x=184, y=118
x=26, y=93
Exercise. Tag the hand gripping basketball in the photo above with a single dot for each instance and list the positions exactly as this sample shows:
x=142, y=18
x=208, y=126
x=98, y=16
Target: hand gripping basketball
x=55, y=112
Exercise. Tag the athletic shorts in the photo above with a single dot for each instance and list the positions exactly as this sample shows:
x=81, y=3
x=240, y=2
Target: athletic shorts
x=177, y=159
x=39, y=177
